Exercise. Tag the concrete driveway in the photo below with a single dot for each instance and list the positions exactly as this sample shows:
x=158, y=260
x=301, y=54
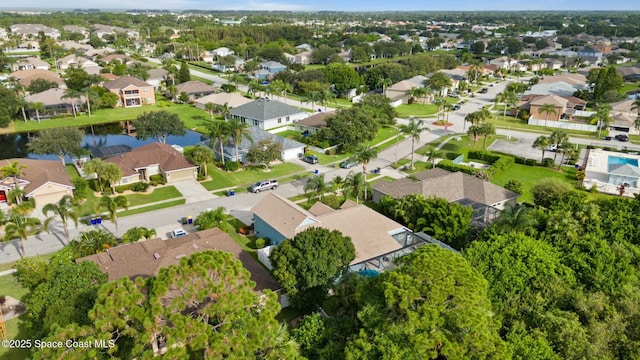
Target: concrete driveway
x=193, y=191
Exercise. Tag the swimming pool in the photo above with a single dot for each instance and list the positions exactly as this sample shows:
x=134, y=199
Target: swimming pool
x=616, y=160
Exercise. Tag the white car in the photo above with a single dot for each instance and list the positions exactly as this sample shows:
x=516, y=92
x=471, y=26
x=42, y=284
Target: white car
x=178, y=232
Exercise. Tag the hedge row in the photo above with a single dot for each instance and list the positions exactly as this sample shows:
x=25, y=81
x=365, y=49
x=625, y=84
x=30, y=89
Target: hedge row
x=450, y=166
x=483, y=155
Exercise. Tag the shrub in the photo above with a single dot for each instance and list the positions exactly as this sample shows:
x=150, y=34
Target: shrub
x=482, y=155
x=331, y=151
x=502, y=164
x=519, y=160
x=81, y=188
x=158, y=178
x=547, y=162
x=450, y=166
x=260, y=243
x=593, y=189
x=530, y=162
x=231, y=166
x=514, y=185
x=140, y=187
x=332, y=201
x=549, y=191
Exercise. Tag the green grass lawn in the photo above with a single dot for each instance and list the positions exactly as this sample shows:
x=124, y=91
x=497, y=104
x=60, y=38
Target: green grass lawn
x=454, y=147
x=418, y=166
x=417, y=110
x=384, y=133
x=531, y=175
x=152, y=207
x=628, y=87
x=193, y=117
x=247, y=176
x=158, y=194
x=514, y=123
x=10, y=286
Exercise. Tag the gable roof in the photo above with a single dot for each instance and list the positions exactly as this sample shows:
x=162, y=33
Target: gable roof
x=168, y=158
x=403, y=85
x=369, y=241
x=256, y=135
x=264, y=109
x=53, y=96
x=40, y=172
x=272, y=64
x=27, y=76
x=146, y=258
x=554, y=100
x=318, y=120
x=624, y=170
x=124, y=81
x=447, y=185
x=157, y=73
x=194, y=86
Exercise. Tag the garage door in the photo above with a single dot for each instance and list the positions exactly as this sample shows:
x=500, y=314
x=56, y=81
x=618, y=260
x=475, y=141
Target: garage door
x=44, y=199
x=181, y=175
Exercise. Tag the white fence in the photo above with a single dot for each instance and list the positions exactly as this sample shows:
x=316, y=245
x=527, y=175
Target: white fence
x=263, y=256
x=583, y=113
x=562, y=125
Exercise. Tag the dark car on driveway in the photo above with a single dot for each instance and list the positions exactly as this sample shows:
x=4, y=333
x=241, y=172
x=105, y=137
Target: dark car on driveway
x=622, y=137
x=311, y=159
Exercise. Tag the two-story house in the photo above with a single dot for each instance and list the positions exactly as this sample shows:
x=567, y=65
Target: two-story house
x=132, y=92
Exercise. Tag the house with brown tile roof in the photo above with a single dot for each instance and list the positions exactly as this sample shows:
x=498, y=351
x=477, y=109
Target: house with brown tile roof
x=458, y=187
x=314, y=122
x=152, y=159
x=55, y=102
x=278, y=219
x=25, y=77
x=46, y=181
x=132, y=92
x=195, y=89
x=146, y=258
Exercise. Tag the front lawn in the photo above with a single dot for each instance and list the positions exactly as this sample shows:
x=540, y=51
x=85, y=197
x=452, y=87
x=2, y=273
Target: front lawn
x=416, y=110
x=159, y=206
x=454, y=147
x=247, y=176
x=10, y=286
x=531, y=175
x=158, y=194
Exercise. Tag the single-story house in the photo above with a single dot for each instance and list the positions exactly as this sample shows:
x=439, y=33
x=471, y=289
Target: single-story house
x=195, y=89
x=156, y=76
x=629, y=73
x=484, y=197
x=55, y=103
x=46, y=181
x=131, y=92
x=77, y=61
x=30, y=63
x=146, y=258
x=269, y=68
x=559, y=88
x=278, y=218
x=33, y=30
x=291, y=149
x=232, y=100
x=397, y=92
x=25, y=77
x=624, y=115
x=221, y=52
x=313, y=123
x=155, y=158
x=267, y=114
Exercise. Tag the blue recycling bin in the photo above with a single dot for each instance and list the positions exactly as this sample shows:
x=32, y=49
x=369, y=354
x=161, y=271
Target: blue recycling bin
x=189, y=220
x=232, y=192
x=93, y=221
x=316, y=171
x=376, y=171
x=98, y=220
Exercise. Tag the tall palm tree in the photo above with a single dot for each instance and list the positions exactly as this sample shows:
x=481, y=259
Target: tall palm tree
x=20, y=227
x=73, y=95
x=221, y=131
x=547, y=109
x=326, y=97
x=558, y=138
x=210, y=108
x=64, y=210
x=355, y=184
x=432, y=153
x=202, y=155
x=316, y=184
x=542, y=143
x=337, y=184
x=475, y=131
x=567, y=151
x=602, y=117
x=486, y=129
x=111, y=205
x=37, y=107
x=92, y=242
x=413, y=129
x=312, y=97
x=13, y=170
x=239, y=131
x=364, y=154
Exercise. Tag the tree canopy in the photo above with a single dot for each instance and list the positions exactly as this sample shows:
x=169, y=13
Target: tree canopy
x=158, y=125
x=60, y=142
x=9, y=105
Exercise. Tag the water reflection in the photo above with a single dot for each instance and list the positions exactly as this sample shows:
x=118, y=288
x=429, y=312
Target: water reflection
x=15, y=145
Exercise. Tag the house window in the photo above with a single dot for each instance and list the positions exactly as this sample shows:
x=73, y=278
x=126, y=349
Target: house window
x=287, y=118
x=255, y=122
x=280, y=120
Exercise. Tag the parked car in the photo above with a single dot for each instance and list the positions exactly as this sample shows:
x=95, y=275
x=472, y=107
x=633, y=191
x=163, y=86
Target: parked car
x=456, y=107
x=264, y=185
x=622, y=137
x=311, y=159
x=555, y=148
x=484, y=90
x=348, y=164
x=178, y=232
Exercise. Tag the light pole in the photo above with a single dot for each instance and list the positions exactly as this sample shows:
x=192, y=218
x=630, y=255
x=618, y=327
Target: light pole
x=464, y=122
x=397, y=140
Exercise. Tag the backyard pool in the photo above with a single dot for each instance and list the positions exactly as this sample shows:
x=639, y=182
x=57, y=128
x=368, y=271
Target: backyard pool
x=617, y=160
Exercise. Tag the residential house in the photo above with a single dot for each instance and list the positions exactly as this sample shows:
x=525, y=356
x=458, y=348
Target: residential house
x=232, y=100
x=589, y=52
x=153, y=159
x=277, y=219
x=46, y=181
x=486, y=199
x=33, y=30
x=625, y=114
x=221, y=52
x=564, y=107
x=566, y=52
x=398, y=93
x=267, y=114
x=156, y=76
x=121, y=58
x=554, y=64
x=25, y=77
x=90, y=66
x=629, y=73
x=132, y=92
x=101, y=30
x=559, y=88
x=457, y=76
x=55, y=102
x=504, y=62
x=268, y=69
x=609, y=170
x=146, y=258
x=76, y=29
x=313, y=123
x=195, y=89
x=30, y=63
x=304, y=47
x=237, y=65
x=291, y=149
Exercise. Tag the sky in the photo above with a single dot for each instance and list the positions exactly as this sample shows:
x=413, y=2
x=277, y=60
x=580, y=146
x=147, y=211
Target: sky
x=337, y=5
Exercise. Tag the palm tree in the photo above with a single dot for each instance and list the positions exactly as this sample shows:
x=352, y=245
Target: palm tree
x=214, y=218
x=317, y=184
x=413, y=129
x=383, y=82
x=558, y=138
x=567, y=151
x=220, y=131
x=73, y=94
x=432, y=153
x=201, y=156
x=602, y=117
x=474, y=131
x=312, y=97
x=364, y=154
x=515, y=218
x=111, y=205
x=547, y=109
x=507, y=98
x=92, y=242
x=37, y=107
x=64, y=210
x=210, y=108
x=337, y=184
x=486, y=129
x=542, y=143
x=21, y=227
x=438, y=102
x=355, y=184
x=238, y=131
x=326, y=97
x=13, y=170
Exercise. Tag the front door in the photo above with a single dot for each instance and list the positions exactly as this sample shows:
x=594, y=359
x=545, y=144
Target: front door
x=3, y=196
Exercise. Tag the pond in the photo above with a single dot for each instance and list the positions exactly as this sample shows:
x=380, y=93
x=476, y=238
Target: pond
x=15, y=145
